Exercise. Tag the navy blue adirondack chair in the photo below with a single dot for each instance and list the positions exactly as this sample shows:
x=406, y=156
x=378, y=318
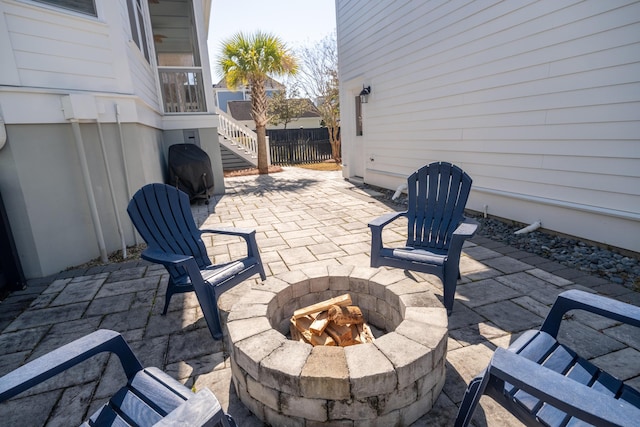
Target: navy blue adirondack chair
x=162, y=215
x=543, y=382
x=150, y=397
x=437, y=227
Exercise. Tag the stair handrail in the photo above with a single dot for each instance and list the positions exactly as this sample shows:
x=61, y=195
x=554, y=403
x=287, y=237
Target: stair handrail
x=237, y=133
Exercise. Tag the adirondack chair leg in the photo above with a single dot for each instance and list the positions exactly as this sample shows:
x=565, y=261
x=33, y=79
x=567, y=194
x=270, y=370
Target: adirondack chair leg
x=166, y=304
x=167, y=299
x=254, y=252
x=449, y=283
x=471, y=399
x=215, y=327
x=173, y=289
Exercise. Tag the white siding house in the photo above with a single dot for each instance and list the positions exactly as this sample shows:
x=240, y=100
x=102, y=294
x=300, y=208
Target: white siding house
x=539, y=101
x=90, y=101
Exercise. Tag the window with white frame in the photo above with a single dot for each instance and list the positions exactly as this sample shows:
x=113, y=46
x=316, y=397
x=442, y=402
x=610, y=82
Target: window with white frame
x=88, y=7
x=138, y=33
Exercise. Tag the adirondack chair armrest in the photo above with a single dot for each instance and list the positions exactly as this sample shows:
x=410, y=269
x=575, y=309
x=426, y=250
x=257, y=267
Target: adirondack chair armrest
x=467, y=228
x=385, y=219
x=67, y=356
x=249, y=235
x=201, y=409
x=164, y=258
x=565, y=394
x=175, y=260
x=232, y=231
x=575, y=299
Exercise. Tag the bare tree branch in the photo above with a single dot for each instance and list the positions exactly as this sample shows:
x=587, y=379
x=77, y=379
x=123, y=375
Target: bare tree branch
x=318, y=77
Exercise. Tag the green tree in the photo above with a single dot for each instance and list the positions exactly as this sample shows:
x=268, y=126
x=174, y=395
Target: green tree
x=248, y=59
x=285, y=106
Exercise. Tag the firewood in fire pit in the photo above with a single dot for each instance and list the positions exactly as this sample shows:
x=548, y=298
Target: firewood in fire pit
x=300, y=328
x=350, y=315
x=331, y=322
x=321, y=306
x=320, y=323
x=364, y=334
x=341, y=334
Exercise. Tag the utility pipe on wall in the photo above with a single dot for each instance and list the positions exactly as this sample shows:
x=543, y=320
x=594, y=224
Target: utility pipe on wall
x=3, y=134
x=126, y=167
x=113, y=195
x=75, y=125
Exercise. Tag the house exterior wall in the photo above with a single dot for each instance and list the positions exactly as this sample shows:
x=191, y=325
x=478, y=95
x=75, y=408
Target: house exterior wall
x=539, y=101
x=224, y=96
x=61, y=72
x=50, y=215
x=302, y=122
x=53, y=48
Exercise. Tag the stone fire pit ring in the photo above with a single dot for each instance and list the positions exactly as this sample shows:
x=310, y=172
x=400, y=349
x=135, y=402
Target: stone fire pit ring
x=393, y=381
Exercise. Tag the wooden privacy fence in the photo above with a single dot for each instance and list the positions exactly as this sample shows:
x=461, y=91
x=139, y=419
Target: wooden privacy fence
x=298, y=146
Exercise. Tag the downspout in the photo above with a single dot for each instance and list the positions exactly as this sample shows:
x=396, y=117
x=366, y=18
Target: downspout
x=529, y=228
x=126, y=167
x=400, y=189
x=75, y=125
x=113, y=195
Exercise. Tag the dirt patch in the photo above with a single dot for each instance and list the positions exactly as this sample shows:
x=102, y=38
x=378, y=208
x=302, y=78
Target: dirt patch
x=250, y=171
x=328, y=165
x=133, y=253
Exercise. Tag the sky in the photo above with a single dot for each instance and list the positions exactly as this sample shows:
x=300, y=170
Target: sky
x=296, y=22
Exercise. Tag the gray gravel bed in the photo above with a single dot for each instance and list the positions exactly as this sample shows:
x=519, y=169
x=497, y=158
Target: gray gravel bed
x=617, y=266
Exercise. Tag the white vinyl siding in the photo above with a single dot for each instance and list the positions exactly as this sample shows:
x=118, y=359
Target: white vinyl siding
x=141, y=69
x=57, y=50
x=539, y=98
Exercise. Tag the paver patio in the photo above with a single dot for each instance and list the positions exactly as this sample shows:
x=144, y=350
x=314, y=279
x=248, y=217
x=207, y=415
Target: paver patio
x=303, y=219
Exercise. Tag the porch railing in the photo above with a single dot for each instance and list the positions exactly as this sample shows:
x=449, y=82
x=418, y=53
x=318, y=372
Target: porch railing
x=182, y=90
x=237, y=133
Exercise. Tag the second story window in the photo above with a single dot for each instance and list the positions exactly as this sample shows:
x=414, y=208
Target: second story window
x=136, y=20
x=88, y=7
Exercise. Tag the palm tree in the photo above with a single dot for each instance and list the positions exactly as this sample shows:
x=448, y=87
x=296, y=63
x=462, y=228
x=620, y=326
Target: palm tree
x=249, y=60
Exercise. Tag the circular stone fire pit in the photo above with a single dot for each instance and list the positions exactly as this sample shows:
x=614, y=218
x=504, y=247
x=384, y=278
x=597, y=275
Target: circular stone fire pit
x=393, y=381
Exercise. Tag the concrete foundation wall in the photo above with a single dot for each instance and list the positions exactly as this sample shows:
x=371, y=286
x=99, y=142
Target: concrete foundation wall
x=46, y=197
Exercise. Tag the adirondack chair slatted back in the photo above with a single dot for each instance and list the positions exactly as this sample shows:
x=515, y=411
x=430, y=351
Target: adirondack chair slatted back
x=162, y=215
x=543, y=382
x=438, y=193
x=148, y=396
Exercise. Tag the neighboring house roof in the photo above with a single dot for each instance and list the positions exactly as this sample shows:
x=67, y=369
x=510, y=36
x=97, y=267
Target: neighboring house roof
x=312, y=111
x=241, y=110
x=269, y=84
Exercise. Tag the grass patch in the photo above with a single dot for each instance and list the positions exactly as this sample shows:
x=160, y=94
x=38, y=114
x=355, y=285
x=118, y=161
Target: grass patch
x=324, y=166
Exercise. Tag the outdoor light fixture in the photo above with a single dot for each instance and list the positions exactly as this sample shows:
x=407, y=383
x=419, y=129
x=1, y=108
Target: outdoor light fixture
x=364, y=94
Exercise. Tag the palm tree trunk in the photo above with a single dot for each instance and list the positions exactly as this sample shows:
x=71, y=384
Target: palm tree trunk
x=263, y=162
x=259, y=112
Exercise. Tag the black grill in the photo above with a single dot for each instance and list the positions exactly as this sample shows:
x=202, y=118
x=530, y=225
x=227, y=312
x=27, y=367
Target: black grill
x=190, y=171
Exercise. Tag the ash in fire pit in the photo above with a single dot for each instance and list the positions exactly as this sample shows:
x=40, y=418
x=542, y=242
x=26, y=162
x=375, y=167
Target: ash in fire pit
x=331, y=322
